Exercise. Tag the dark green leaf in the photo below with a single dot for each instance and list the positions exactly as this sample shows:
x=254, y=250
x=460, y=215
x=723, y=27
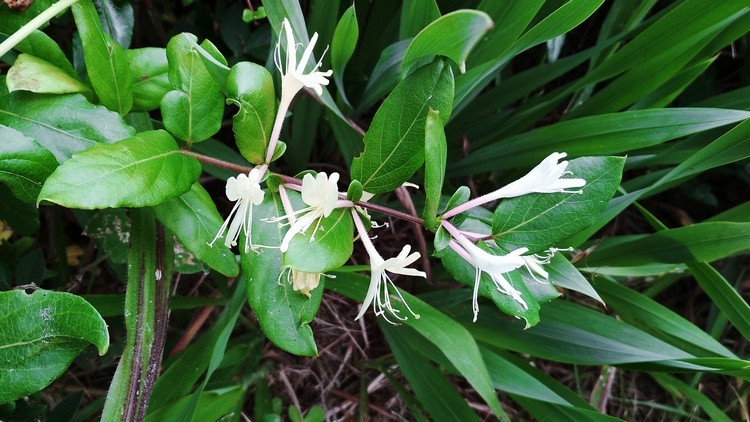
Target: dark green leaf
x=681, y=389
x=29, y=73
x=250, y=87
x=213, y=405
x=452, y=35
x=695, y=243
x=150, y=81
x=415, y=15
x=24, y=164
x=193, y=111
x=436, y=150
x=563, y=274
x=284, y=314
x=63, y=124
x=540, y=220
x=144, y=170
x=42, y=333
x=434, y=392
x=117, y=19
x=445, y=333
x=596, y=135
x=106, y=62
x=193, y=218
x=342, y=46
x=394, y=144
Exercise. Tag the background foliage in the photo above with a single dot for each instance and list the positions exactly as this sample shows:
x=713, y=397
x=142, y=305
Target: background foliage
x=662, y=83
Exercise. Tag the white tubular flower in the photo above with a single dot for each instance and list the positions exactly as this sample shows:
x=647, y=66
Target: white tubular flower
x=245, y=190
x=293, y=74
x=546, y=177
x=377, y=294
x=495, y=266
x=321, y=194
x=304, y=282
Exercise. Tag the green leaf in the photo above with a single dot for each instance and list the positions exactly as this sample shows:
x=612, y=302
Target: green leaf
x=284, y=315
x=42, y=333
x=331, y=248
x=148, y=67
x=63, y=124
x=434, y=392
x=144, y=170
x=342, y=46
x=596, y=135
x=193, y=218
x=185, y=370
x=650, y=316
x=39, y=44
x=250, y=87
x=24, y=164
x=415, y=15
x=29, y=73
x=573, y=334
x=453, y=340
x=212, y=405
x=22, y=217
x=193, y=111
x=436, y=151
x=681, y=389
x=700, y=242
x=723, y=294
x=452, y=35
x=385, y=76
x=394, y=144
x=106, y=62
x=117, y=20
x=563, y=274
x=511, y=19
x=540, y=220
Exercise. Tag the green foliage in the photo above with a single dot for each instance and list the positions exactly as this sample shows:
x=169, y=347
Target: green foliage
x=394, y=144
x=42, y=333
x=144, y=170
x=646, y=99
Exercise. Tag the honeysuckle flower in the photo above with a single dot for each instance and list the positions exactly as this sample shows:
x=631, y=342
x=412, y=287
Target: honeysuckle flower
x=494, y=265
x=378, y=292
x=245, y=190
x=304, y=282
x=546, y=177
x=294, y=77
x=321, y=194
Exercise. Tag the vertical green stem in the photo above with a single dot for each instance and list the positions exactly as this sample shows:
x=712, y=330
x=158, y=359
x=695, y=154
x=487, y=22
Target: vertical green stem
x=146, y=314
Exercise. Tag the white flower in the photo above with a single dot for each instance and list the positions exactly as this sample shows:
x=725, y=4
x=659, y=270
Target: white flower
x=495, y=266
x=245, y=190
x=294, y=76
x=304, y=282
x=546, y=177
x=377, y=293
x=321, y=194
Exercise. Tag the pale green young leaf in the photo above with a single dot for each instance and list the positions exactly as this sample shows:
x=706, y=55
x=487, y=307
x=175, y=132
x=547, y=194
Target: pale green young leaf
x=540, y=220
x=106, y=62
x=30, y=73
x=436, y=151
x=394, y=144
x=452, y=35
x=193, y=218
x=42, y=333
x=250, y=87
x=144, y=170
x=24, y=164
